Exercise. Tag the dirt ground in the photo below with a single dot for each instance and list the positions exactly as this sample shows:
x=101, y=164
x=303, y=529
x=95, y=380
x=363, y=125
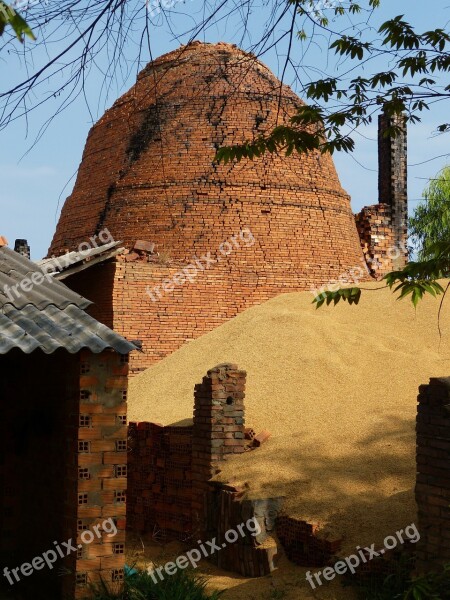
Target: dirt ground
x=286, y=583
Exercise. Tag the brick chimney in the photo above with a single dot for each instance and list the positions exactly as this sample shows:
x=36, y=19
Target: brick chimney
x=3, y=241
x=22, y=247
x=393, y=177
x=382, y=227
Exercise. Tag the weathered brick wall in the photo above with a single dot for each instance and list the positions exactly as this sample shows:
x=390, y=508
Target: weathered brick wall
x=433, y=474
x=159, y=499
x=121, y=293
x=378, y=241
x=170, y=493
x=148, y=169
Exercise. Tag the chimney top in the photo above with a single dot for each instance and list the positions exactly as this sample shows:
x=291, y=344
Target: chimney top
x=3, y=241
x=22, y=247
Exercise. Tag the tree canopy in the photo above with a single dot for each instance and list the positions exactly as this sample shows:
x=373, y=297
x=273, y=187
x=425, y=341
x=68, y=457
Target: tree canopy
x=430, y=225
x=430, y=222
x=408, y=84
x=392, y=65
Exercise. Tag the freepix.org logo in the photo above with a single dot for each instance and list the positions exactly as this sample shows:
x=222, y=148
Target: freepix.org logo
x=155, y=7
x=59, y=551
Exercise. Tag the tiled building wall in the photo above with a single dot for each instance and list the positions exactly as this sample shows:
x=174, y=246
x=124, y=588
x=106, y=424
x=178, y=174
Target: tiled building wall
x=100, y=477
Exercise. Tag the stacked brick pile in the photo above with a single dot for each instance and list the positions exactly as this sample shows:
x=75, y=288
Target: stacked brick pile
x=378, y=240
x=160, y=481
x=302, y=544
x=148, y=173
x=253, y=553
x=433, y=474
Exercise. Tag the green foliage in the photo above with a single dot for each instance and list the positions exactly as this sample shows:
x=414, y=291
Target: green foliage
x=351, y=295
x=407, y=54
x=184, y=585
x=431, y=220
x=415, y=280
x=8, y=16
x=420, y=278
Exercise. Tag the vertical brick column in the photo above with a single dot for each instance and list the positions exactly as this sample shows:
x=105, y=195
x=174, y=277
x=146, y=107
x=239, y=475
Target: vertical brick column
x=101, y=457
x=433, y=474
x=393, y=176
x=218, y=432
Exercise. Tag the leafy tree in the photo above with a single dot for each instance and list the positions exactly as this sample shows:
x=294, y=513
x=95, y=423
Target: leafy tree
x=409, y=85
x=109, y=38
x=431, y=220
x=9, y=16
x=430, y=225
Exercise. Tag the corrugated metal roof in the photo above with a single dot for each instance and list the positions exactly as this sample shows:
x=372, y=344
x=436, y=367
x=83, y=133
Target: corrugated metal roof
x=72, y=262
x=15, y=268
x=48, y=315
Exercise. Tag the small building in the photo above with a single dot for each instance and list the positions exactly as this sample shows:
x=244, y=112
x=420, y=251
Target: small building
x=63, y=437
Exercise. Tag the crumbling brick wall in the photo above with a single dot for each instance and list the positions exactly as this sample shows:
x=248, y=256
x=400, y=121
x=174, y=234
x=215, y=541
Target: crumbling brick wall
x=170, y=492
x=302, y=543
x=433, y=474
x=381, y=251
x=159, y=499
x=382, y=228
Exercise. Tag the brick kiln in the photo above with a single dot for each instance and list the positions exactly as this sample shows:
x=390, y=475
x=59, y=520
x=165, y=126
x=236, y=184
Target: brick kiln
x=148, y=173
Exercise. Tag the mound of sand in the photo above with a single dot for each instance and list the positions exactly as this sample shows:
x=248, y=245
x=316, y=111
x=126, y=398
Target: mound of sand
x=337, y=388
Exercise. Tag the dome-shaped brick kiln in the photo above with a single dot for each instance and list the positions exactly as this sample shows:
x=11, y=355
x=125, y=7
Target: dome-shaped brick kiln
x=148, y=170
x=271, y=225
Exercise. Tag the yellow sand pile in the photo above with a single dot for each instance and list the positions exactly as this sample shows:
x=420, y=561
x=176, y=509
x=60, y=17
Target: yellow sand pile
x=337, y=388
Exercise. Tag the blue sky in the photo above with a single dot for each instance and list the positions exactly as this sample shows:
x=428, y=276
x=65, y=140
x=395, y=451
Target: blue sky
x=36, y=179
